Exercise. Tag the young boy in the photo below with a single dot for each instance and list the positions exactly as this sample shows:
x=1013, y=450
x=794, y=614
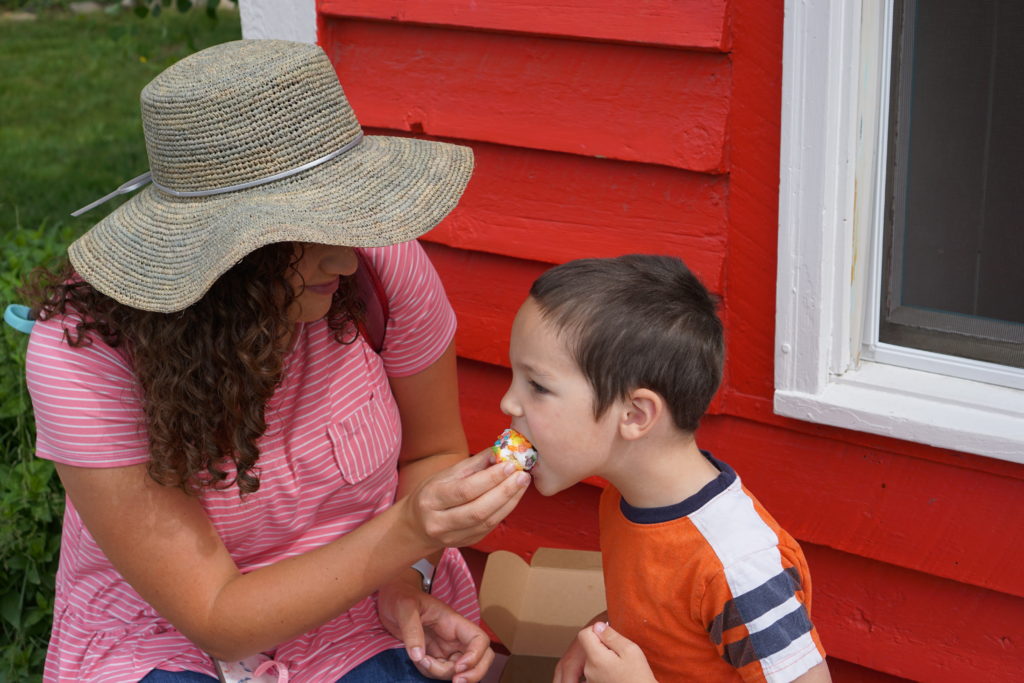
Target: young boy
x=614, y=361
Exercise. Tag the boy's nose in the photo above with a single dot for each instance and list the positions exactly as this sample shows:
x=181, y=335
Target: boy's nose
x=509, y=405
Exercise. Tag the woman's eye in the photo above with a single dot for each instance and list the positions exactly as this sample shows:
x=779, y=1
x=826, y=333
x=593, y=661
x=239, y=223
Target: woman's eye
x=538, y=388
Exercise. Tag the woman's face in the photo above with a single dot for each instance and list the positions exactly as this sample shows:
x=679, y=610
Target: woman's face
x=315, y=278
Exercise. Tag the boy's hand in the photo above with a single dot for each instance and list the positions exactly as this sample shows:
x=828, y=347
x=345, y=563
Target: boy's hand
x=611, y=657
x=570, y=666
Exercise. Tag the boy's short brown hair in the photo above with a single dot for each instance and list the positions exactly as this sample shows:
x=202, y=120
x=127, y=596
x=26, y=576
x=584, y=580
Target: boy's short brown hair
x=638, y=321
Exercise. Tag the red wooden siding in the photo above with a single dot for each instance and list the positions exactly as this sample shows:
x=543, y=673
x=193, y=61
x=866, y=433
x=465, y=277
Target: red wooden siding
x=560, y=95
x=601, y=128
x=550, y=207
x=697, y=24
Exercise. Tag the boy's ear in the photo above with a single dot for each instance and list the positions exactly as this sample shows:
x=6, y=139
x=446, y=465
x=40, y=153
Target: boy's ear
x=642, y=409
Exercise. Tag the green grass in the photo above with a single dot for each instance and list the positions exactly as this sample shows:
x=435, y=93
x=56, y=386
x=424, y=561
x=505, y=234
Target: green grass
x=69, y=133
x=69, y=105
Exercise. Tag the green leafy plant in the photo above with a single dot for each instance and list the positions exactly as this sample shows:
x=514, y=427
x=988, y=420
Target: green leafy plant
x=31, y=500
x=141, y=8
x=69, y=88
x=154, y=7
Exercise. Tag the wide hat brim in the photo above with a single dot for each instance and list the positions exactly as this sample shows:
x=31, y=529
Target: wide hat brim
x=161, y=253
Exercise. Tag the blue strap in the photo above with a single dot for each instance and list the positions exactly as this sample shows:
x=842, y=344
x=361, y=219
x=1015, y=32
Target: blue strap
x=18, y=317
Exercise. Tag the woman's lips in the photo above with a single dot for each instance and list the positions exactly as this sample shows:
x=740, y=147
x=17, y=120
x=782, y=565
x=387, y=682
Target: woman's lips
x=324, y=289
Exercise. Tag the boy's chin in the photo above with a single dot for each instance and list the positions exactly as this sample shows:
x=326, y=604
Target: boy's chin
x=546, y=488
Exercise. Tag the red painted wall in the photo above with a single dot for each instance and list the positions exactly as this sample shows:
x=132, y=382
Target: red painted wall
x=602, y=127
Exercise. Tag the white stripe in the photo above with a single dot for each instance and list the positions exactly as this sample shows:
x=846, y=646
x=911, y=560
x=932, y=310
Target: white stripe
x=733, y=528
x=792, y=661
x=771, y=616
x=748, y=550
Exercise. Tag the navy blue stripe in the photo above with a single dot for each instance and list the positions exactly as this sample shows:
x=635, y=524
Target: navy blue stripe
x=767, y=596
x=752, y=604
x=686, y=507
x=767, y=642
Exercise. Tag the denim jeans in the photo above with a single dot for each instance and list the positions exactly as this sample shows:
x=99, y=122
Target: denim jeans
x=390, y=666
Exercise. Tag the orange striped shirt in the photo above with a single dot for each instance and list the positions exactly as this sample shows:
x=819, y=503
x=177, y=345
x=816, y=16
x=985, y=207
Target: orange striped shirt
x=711, y=589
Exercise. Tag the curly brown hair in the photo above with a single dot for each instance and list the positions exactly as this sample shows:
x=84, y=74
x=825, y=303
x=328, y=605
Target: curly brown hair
x=205, y=373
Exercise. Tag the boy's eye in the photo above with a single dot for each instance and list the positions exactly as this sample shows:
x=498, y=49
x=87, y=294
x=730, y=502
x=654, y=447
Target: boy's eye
x=538, y=388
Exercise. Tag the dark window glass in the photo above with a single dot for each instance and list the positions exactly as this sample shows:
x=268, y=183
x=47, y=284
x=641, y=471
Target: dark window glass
x=954, y=259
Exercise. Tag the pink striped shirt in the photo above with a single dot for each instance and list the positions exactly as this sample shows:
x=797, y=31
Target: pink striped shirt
x=327, y=461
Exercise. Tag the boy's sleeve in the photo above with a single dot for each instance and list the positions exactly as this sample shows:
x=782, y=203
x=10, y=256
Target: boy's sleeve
x=765, y=633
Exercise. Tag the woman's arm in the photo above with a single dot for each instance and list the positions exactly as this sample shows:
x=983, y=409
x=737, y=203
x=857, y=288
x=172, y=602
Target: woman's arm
x=162, y=542
x=441, y=642
x=432, y=435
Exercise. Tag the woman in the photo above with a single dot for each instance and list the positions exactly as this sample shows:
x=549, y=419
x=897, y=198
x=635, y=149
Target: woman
x=231, y=447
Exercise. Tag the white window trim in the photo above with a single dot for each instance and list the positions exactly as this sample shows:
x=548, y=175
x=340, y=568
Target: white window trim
x=279, y=19
x=834, y=82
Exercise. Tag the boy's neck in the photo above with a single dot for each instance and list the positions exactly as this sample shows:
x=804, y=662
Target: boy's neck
x=654, y=473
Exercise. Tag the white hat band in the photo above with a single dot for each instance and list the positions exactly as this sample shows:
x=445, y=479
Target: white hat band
x=147, y=177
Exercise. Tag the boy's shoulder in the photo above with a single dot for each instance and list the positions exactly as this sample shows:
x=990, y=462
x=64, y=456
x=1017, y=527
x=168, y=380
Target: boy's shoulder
x=725, y=582
x=722, y=526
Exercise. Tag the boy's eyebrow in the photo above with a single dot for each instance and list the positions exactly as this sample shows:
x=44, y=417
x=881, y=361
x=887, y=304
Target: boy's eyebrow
x=533, y=370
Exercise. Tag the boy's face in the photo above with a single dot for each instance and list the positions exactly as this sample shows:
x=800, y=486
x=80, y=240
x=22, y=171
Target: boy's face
x=551, y=403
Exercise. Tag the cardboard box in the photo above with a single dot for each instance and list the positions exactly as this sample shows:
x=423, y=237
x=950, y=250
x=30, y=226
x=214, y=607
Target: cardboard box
x=537, y=609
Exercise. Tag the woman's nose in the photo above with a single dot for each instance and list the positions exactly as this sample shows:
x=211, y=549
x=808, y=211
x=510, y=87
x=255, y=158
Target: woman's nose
x=339, y=260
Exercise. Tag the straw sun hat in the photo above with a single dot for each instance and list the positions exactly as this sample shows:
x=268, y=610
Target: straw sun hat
x=253, y=142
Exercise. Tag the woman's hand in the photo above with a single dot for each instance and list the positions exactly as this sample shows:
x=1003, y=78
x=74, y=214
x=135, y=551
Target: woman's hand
x=462, y=504
x=612, y=657
x=441, y=642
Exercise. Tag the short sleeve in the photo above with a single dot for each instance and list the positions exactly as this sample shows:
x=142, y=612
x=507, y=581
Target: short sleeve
x=421, y=322
x=86, y=400
x=766, y=634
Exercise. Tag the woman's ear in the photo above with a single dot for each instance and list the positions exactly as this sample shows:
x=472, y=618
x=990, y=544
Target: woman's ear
x=641, y=411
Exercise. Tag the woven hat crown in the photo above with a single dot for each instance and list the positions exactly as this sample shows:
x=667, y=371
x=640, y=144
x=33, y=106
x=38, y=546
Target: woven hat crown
x=242, y=111
x=252, y=143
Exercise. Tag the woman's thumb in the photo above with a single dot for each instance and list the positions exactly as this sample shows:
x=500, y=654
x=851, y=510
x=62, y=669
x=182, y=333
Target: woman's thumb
x=410, y=625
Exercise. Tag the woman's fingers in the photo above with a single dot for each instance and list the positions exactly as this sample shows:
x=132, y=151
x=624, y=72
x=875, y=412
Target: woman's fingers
x=473, y=464
x=435, y=667
x=469, y=480
x=471, y=521
x=475, y=646
x=475, y=673
x=461, y=504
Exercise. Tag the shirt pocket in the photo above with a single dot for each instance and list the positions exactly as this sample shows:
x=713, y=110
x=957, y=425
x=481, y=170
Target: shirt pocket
x=367, y=440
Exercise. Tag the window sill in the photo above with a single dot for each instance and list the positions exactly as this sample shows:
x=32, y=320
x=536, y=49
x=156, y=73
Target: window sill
x=919, y=406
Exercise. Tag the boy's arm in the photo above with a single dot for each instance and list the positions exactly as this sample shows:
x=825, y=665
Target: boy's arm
x=816, y=674
x=768, y=627
x=570, y=666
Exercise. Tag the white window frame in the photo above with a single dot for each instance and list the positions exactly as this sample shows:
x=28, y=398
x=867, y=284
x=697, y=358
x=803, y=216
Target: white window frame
x=827, y=368
x=279, y=19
